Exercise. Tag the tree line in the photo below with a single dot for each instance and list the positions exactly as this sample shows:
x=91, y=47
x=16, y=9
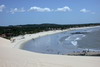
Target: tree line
x=15, y=30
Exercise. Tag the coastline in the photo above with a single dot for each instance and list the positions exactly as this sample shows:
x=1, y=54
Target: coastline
x=11, y=57
x=20, y=40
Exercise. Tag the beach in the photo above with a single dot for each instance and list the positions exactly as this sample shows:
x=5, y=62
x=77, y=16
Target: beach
x=66, y=42
x=20, y=40
x=12, y=56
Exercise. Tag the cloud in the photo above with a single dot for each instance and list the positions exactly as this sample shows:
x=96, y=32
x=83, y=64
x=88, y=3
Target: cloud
x=39, y=9
x=17, y=10
x=2, y=7
x=64, y=9
x=86, y=11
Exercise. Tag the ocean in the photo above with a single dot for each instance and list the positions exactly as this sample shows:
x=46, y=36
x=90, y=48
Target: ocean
x=66, y=42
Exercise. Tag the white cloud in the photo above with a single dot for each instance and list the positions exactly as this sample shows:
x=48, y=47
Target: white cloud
x=64, y=9
x=39, y=9
x=84, y=10
x=17, y=10
x=2, y=7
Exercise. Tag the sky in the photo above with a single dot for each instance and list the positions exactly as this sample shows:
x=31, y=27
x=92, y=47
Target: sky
x=19, y=12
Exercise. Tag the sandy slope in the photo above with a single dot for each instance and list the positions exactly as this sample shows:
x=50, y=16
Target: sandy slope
x=4, y=42
x=11, y=57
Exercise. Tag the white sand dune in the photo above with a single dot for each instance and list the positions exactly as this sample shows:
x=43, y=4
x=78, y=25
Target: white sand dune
x=11, y=57
x=4, y=42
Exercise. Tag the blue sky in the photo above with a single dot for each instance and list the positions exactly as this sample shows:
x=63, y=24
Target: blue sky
x=16, y=12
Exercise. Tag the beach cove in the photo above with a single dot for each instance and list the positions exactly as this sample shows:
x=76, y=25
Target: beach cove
x=61, y=41
x=12, y=56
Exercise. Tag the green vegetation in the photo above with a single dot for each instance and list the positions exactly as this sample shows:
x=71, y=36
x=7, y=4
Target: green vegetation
x=11, y=31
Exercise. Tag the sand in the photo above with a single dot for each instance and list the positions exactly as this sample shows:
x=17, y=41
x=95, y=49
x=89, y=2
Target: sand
x=4, y=42
x=10, y=57
x=14, y=57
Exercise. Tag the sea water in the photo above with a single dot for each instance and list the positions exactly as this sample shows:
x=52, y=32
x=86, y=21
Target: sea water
x=66, y=42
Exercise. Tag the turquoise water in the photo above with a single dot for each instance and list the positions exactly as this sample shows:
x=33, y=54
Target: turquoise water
x=66, y=42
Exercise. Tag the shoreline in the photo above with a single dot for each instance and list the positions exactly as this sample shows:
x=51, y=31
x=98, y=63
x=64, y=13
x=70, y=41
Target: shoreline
x=20, y=40
x=11, y=57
